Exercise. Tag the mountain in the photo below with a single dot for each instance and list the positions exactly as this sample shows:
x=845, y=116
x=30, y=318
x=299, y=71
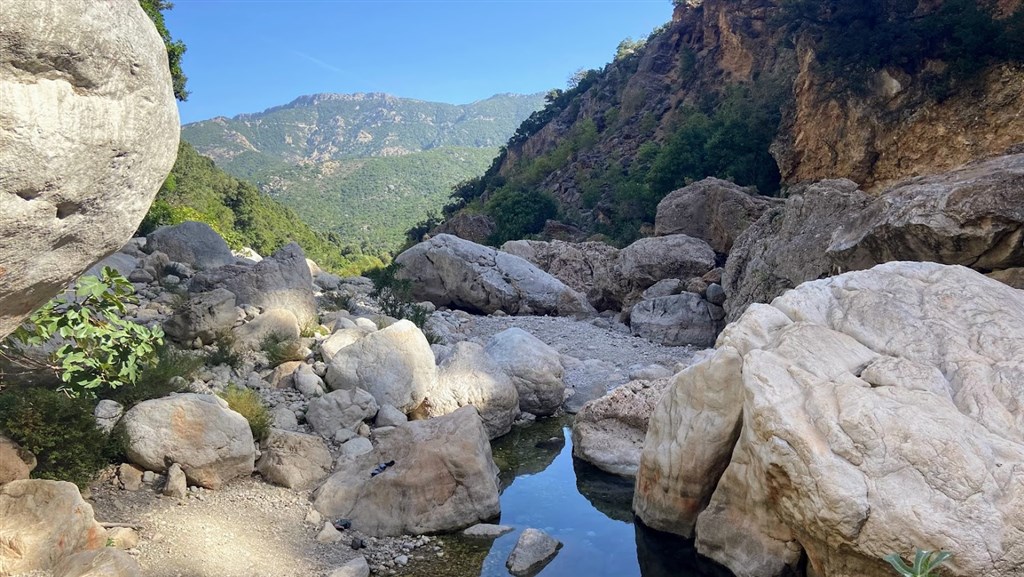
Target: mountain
x=366, y=166
x=197, y=189
x=767, y=93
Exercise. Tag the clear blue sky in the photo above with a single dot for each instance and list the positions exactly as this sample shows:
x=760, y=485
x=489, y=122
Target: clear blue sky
x=249, y=55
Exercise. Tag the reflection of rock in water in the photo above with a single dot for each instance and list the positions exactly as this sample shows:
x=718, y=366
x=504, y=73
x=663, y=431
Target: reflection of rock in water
x=528, y=450
x=609, y=494
x=667, y=555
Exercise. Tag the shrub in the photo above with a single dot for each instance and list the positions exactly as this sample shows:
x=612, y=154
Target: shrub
x=248, y=403
x=280, y=349
x=518, y=213
x=924, y=562
x=157, y=380
x=101, y=349
x=224, y=352
x=60, y=430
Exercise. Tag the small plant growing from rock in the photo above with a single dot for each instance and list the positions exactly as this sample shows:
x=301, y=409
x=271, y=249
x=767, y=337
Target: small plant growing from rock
x=97, y=347
x=224, y=352
x=281, y=349
x=248, y=403
x=924, y=562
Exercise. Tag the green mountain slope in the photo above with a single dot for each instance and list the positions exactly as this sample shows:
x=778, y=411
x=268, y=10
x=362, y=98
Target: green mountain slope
x=365, y=166
x=197, y=190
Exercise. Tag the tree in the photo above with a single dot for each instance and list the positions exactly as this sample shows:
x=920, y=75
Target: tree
x=175, y=48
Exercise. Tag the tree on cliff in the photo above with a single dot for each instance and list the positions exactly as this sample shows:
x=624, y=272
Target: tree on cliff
x=175, y=48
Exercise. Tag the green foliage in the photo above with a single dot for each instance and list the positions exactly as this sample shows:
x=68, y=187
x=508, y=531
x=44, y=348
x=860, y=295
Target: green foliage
x=60, y=431
x=248, y=403
x=628, y=47
x=924, y=563
x=157, y=380
x=281, y=349
x=394, y=296
x=518, y=213
x=224, y=352
x=175, y=48
x=100, y=348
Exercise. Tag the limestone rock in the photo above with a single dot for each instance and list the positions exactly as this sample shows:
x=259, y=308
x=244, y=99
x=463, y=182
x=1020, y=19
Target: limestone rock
x=205, y=316
x=533, y=551
x=277, y=324
x=105, y=562
x=107, y=413
x=15, y=462
x=652, y=259
x=394, y=364
x=280, y=281
x=294, y=460
x=534, y=367
x=676, y=320
x=175, y=486
x=587, y=267
x=42, y=523
x=487, y=530
x=713, y=210
x=193, y=243
x=344, y=408
x=212, y=443
x=443, y=479
x=90, y=131
x=469, y=377
x=357, y=567
x=389, y=416
x=609, y=432
x=450, y=271
x=825, y=422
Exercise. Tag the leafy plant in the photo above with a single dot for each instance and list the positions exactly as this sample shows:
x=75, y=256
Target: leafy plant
x=924, y=562
x=100, y=348
x=248, y=403
x=224, y=352
x=280, y=349
x=394, y=295
x=158, y=380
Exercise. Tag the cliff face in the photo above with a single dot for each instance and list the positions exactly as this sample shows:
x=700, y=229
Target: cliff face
x=878, y=128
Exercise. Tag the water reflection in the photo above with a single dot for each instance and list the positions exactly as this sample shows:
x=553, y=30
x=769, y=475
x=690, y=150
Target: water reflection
x=585, y=508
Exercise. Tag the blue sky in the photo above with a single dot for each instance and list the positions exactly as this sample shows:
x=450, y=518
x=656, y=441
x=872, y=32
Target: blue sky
x=249, y=55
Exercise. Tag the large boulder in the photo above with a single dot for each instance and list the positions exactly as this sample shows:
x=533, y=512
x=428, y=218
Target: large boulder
x=609, y=432
x=294, y=460
x=204, y=316
x=676, y=320
x=973, y=216
x=472, y=227
x=469, y=377
x=713, y=210
x=535, y=368
x=394, y=364
x=652, y=259
x=105, y=562
x=586, y=267
x=41, y=523
x=212, y=443
x=280, y=281
x=341, y=409
x=90, y=131
x=193, y=243
x=15, y=462
x=787, y=245
x=825, y=423
x=449, y=271
x=442, y=478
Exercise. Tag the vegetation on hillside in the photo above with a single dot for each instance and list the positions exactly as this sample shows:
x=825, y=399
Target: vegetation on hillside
x=175, y=48
x=197, y=190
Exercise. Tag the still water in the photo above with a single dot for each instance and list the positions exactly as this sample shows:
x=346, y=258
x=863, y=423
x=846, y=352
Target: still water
x=584, y=508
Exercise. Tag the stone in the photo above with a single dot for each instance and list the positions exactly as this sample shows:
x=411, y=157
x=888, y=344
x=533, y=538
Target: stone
x=468, y=376
x=823, y=423
x=86, y=144
x=609, y=432
x=129, y=477
x=442, y=479
x=344, y=408
x=356, y=446
x=276, y=325
x=340, y=339
x=329, y=534
x=307, y=382
x=205, y=316
x=388, y=416
x=43, y=523
x=357, y=567
x=280, y=281
x=677, y=320
x=487, y=530
x=588, y=380
x=212, y=443
x=534, y=367
x=15, y=462
x=394, y=364
x=452, y=272
x=105, y=562
x=122, y=537
x=140, y=276
x=175, y=486
x=294, y=460
x=652, y=259
x=532, y=552
x=1011, y=276
x=284, y=418
x=715, y=294
x=663, y=288
x=713, y=210
x=123, y=263
x=283, y=375
x=589, y=268
x=472, y=227
x=193, y=243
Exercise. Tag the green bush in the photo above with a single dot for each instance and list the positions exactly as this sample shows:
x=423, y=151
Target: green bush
x=248, y=403
x=157, y=380
x=60, y=430
x=281, y=349
x=100, y=348
x=224, y=352
x=518, y=213
x=924, y=563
